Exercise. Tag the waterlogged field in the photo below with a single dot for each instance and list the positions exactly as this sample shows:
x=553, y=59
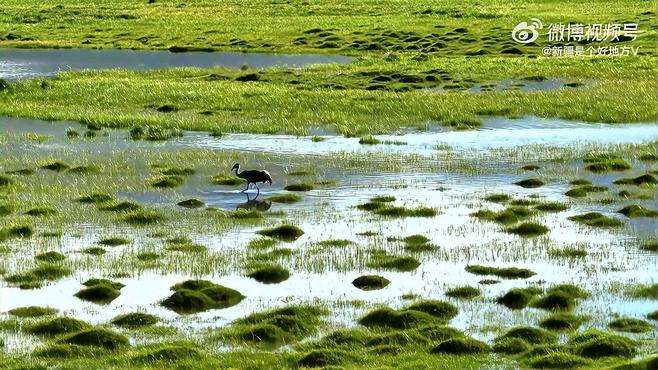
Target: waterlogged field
x=119, y=251
x=442, y=196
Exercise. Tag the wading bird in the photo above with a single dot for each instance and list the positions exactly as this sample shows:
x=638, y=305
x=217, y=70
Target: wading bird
x=252, y=177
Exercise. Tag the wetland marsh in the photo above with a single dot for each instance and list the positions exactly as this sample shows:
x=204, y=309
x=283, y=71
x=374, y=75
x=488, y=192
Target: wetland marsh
x=433, y=206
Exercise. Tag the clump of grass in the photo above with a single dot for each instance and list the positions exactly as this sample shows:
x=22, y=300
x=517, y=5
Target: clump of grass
x=114, y=241
x=630, y=325
x=441, y=310
x=299, y=187
x=6, y=210
x=57, y=326
x=50, y=257
x=98, y=337
x=463, y=292
x=584, y=190
x=643, y=291
x=5, y=181
x=646, y=179
x=262, y=243
x=386, y=317
x=507, y=216
x=653, y=315
x=178, y=171
x=406, y=212
x=167, y=181
x=32, y=311
x=497, y=198
x=154, y=133
x=100, y=291
x=596, y=219
x=605, y=162
x=324, y=358
x=68, y=351
x=461, y=346
x=246, y=214
x=57, y=166
x=511, y=346
x=284, y=198
x=369, y=140
x=567, y=252
x=284, y=232
x=135, y=320
x=184, y=244
x=94, y=251
x=518, y=298
x=528, y=229
x=399, y=263
x=650, y=245
x=635, y=210
x=194, y=296
x=371, y=282
x=383, y=199
x=551, y=207
x=147, y=256
x=122, y=206
x=561, y=321
x=35, y=277
x=142, y=217
x=503, y=272
x=555, y=300
x=529, y=334
x=191, y=203
x=269, y=274
x=42, y=211
x=558, y=360
x=273, y=328
x=221, y=179
x=530, y=183
x=335, y=243
x=22, y=231
x=95, y=198
x=569, y=289
x=598, y=344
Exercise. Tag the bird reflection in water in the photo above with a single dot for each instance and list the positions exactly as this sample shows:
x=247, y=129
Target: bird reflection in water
x=256, y=203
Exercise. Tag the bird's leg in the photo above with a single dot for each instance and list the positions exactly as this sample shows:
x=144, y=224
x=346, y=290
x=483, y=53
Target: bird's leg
x=245, y=189
x=258, y=192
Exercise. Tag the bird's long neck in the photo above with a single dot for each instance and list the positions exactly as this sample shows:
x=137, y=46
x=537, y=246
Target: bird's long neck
x=237, y=171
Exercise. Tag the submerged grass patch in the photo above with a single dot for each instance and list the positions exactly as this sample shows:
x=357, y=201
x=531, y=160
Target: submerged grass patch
x=135, y=320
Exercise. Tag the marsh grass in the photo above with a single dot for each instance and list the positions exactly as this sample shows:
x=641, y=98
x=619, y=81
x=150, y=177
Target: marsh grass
x=596, y=219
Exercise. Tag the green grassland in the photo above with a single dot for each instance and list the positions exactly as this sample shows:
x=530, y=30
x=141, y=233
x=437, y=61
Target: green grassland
x=459, y=45
x=342, y=98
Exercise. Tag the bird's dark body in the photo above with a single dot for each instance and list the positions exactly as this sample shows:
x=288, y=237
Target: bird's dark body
x=252, y=176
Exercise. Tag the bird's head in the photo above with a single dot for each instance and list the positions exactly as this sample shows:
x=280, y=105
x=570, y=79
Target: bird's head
x=235, y=167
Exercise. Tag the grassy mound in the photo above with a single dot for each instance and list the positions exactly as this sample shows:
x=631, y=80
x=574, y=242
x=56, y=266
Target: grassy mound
x=561, y=321
x=497, y=198
x=645, y=179
x=569, y=289
x=101, y=293
x=284, y=232
x=50, y=257
x=635, y=210
x=605, y=162
x=57, y=326
x=511, y=346
x=194, y=296
x=284, y=198
x=380, y=259
x=276, y=327
x=114, y=241
x=386, y=317
x=461, y=346
x=121, y=206
x=530, y=183
x=464, y=292
x=167, y=181
x=68, y=351
x=517, y=298
x=529, y=334
x=142, y=218
x=406, y=212
x=584, y=190
x=503, y=272
x=551, y=207
x=32, y=311
x=370, y=282
x=630, y=325
x=269, y=274
x=42, y=211
x=598, y=344
x=191, y=203
x=135, y=320
x=556, y=300
x=528, y=229
x=57, y=166
x=324, y=358
x=298, y=187
x=596, y=219
x=98, y=337
x=96, y=281
x=443, y=311
x=558, y=360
